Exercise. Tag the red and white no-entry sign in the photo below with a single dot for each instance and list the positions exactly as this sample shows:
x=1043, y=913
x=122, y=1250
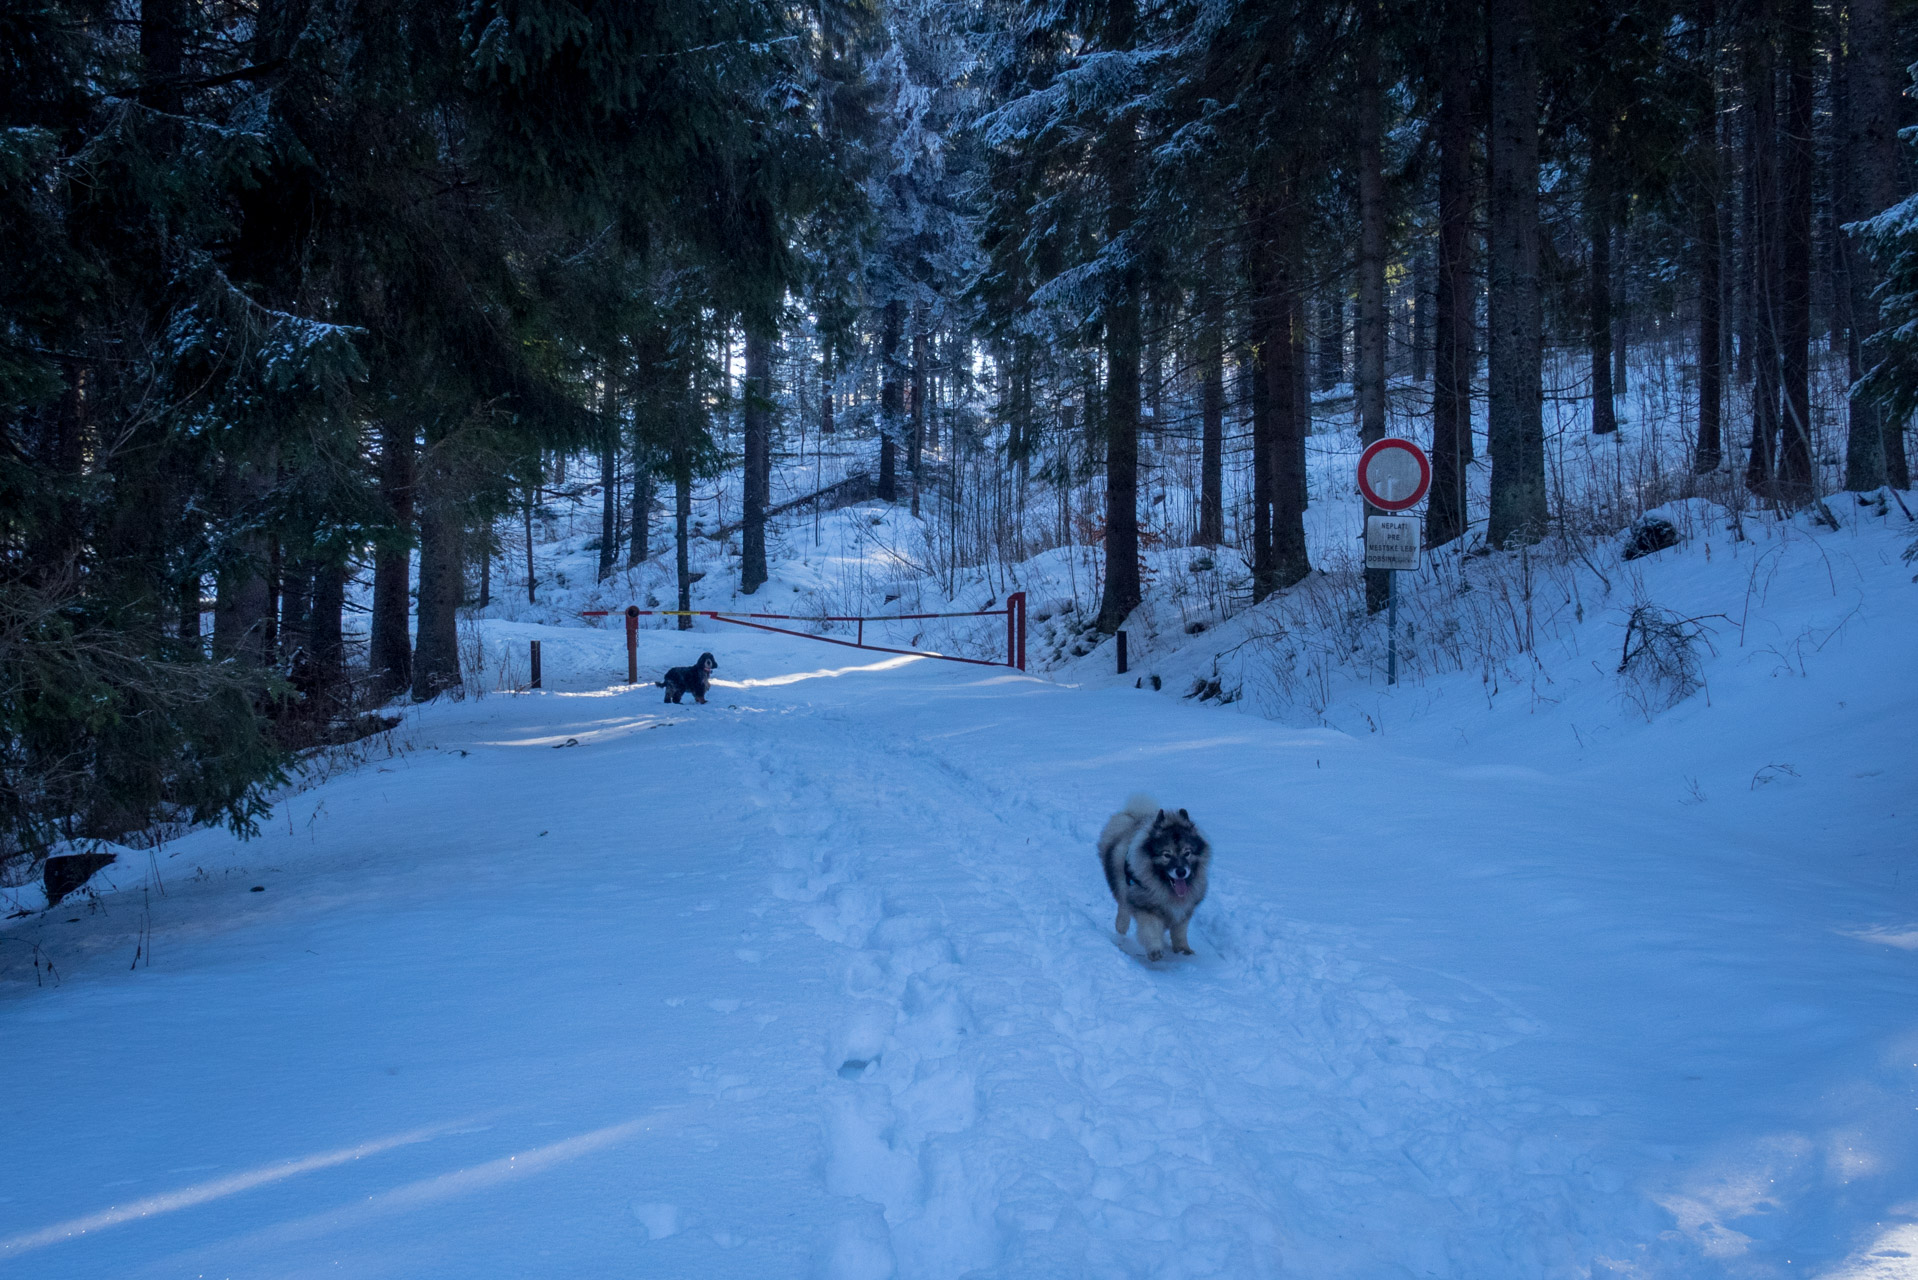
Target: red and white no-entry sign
x=1394, y=474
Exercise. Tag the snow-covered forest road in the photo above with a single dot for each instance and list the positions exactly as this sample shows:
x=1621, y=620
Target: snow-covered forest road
x=819, y=979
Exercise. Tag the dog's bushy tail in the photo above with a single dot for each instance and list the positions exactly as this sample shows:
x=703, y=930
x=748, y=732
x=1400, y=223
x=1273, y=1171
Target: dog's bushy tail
x=1139, y=804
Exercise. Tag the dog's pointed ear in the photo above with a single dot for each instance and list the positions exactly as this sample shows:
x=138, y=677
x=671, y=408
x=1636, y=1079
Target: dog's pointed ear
x=1185, y=815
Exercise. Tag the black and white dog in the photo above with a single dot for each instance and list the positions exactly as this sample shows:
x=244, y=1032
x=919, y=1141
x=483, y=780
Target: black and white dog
x=1155, y=864
x=695, y=680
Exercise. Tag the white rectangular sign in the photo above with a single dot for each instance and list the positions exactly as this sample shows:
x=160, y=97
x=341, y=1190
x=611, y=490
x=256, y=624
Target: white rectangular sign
x=1391, y=542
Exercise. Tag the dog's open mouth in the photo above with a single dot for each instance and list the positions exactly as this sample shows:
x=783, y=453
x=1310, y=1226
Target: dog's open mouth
x=1179, y=887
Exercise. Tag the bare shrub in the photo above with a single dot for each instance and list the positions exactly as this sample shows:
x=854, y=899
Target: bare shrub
x=472, y=652
x=1662, y=662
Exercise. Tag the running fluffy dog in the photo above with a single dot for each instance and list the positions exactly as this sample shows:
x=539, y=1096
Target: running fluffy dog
x=695, y=680
x=1155, y=865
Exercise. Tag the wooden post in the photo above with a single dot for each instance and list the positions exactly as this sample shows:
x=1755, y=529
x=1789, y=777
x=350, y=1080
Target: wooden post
x=535, y=683
x=1120, y=637
x=1392, y=626
x=1016, y=630
x=632, y=644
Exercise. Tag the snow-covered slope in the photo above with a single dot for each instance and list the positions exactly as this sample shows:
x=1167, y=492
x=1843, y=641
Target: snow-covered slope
x=818, y=979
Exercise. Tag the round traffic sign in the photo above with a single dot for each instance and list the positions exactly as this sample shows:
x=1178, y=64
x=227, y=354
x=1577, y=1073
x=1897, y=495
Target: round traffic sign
x=1394, y=474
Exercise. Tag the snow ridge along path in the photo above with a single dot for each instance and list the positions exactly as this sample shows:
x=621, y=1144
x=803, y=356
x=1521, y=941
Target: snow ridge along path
x=819, y=979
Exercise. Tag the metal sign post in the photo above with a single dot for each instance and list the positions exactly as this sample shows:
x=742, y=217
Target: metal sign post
x=1394, y=475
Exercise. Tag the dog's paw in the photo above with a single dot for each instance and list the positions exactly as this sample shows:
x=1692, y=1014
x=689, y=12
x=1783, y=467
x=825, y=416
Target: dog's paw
x=1184, y=951
x=1155, y=955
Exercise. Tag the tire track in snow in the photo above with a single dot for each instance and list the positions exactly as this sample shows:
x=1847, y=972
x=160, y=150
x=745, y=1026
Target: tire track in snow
x=1013, y=1095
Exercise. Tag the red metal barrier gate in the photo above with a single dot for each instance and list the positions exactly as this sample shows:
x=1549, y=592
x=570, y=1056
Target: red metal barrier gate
x=1014, y=614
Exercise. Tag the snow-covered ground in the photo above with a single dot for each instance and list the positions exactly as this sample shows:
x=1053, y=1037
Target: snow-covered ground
x=818, y=979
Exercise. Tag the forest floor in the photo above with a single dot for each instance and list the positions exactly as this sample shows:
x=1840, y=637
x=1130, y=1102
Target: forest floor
x=819, y=978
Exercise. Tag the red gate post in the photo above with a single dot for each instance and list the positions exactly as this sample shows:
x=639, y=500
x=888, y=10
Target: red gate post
x=632, y=644
x=535, y=664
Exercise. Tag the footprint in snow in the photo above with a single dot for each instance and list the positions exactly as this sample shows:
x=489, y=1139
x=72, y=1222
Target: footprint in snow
x=861, y=1249
x=660, y=1220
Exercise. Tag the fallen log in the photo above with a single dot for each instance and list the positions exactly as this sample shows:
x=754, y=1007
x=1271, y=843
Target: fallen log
x=857, y=487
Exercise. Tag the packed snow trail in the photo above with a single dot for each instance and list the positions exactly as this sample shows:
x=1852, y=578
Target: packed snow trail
x=819, y=979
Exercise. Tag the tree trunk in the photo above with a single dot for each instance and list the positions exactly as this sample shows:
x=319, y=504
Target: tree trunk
x=609, y=483
x=270, y=631
x=640, y=548
x=162, y=50
x=1598, y=201
x=1153, y=377
x=1067, y=414
x=1331, y=326
x=1265, y=325
x=1621, y=314
x=892, y=399
x=526, y=512
x=1710, y=196
x=1871, y=153
x=436, y=649
x=1515, y=409
x=326, y=636
x=1212, y=407
x=240, y=607
x=1745, y=278
x=957, y=354
x=757, y=420
x=1455, y=354
x=296, y=613
x=1372, y=317
x=1800, y=35
x=1837, y=181
x=682, y=534
x=190, y=589
x=826, y=376
x=1291, y=425
x=917, y=430
x=390, y=650
x=1767, y=302
x=243, y=593
x=1118, y=158
x=1028, y=420
x=1422, y=320
x=1022, y=430
x=1897, y=466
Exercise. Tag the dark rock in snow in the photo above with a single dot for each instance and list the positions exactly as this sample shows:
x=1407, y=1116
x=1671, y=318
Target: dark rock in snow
x=67, y=872
x=1649, y=534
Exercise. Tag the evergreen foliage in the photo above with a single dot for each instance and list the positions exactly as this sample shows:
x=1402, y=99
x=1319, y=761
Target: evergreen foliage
x=301, y=301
